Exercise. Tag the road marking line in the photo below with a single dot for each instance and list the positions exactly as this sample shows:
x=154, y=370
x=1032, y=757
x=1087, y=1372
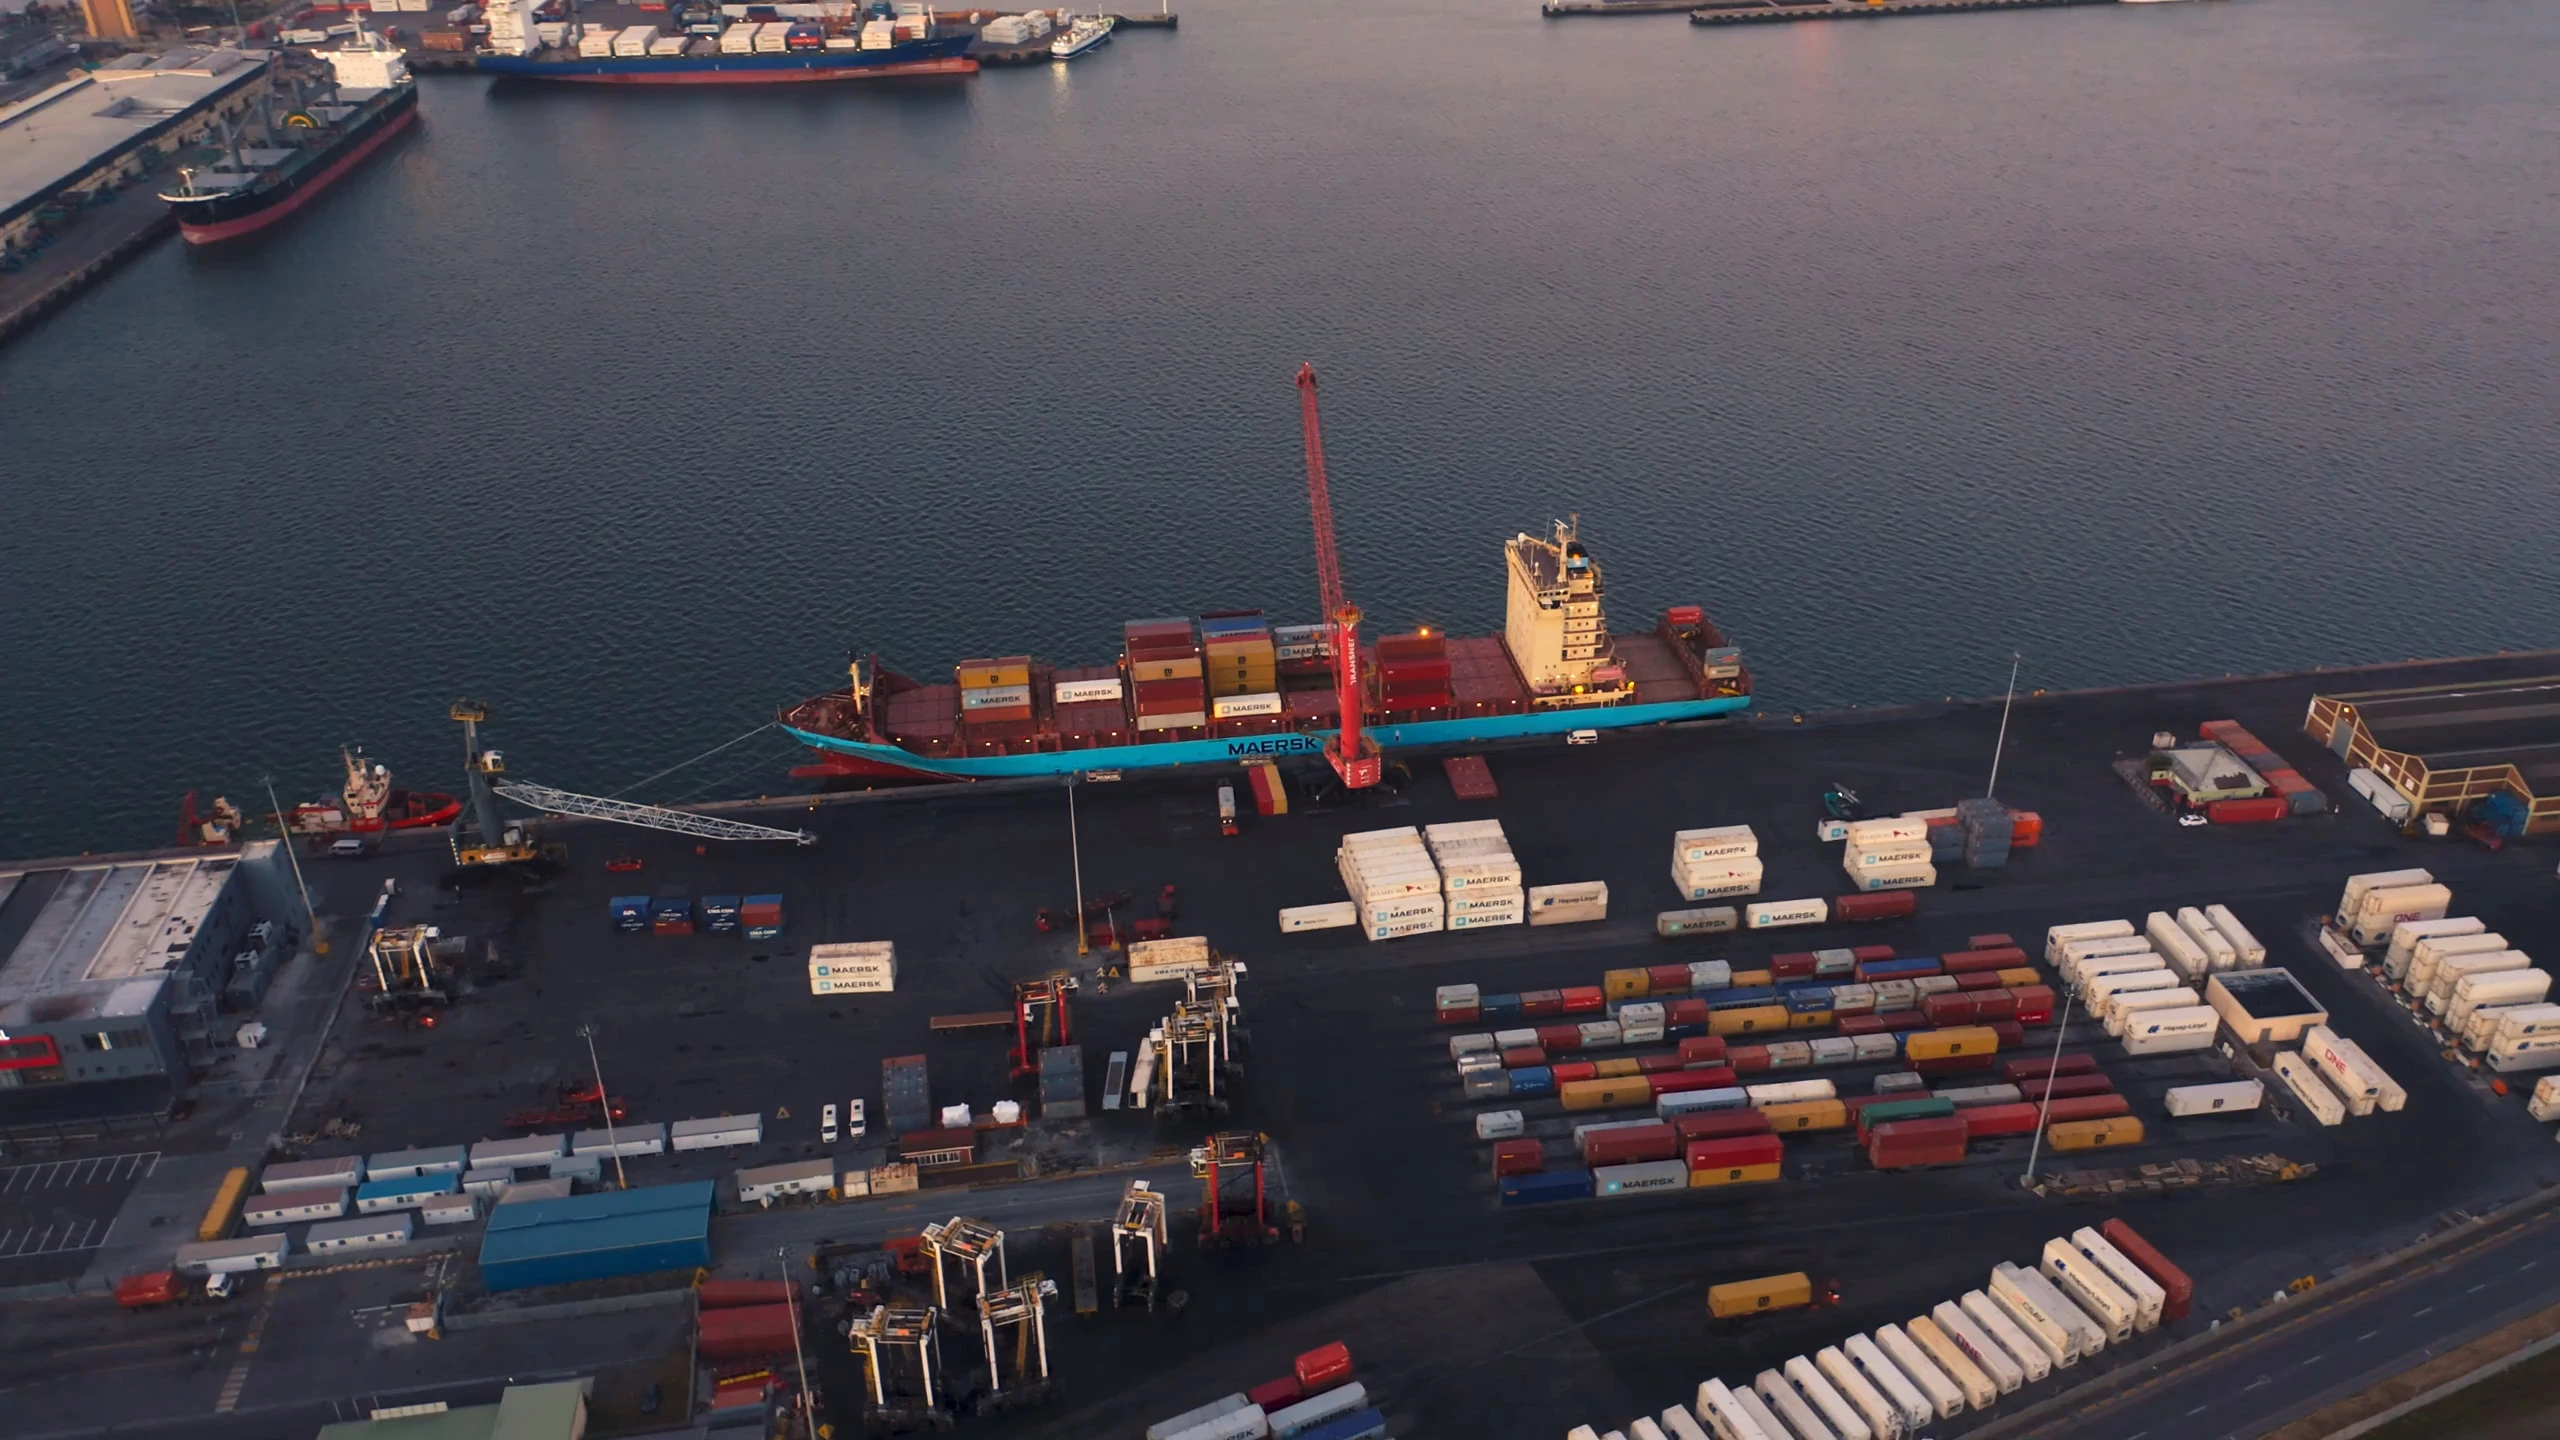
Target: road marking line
x=2476, y=1289
x=2369, y=1334
x=2529, y=1264
x=2254, y=1384
x=233, y=1383
x=2196, y=1411
x=2316, y=1359
x=2414, y=1314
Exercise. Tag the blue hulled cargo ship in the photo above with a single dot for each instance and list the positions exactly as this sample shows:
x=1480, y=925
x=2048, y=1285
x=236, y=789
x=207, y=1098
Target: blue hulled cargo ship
x=761, y=48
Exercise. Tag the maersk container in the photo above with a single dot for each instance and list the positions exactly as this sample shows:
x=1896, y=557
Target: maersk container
x=1704, y=920
x=2030, y=1355
x=1880, y=1371
x=2230, y=1097
x=1799, y=1418
x=1933, y=1383
x=2061, y=936
x=1847, y=1420
x=2405, y=938
x=2084, y=1283
x=1989, y=1359
x=1777, y=914
x=2218, y=952
x=2247, y=953
x=1884, y=1418
x=2433, y=951
x=2170, y=938
x=2452, y=971
x=2150, y=1301
x=2032, y=1314
x=2380, y=910
x=1642, y=1176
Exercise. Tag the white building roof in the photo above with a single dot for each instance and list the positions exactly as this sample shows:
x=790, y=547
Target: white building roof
x=64, y=130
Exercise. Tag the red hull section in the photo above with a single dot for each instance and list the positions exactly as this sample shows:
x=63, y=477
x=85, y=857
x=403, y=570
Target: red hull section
x=957, y=65
x=246, y=224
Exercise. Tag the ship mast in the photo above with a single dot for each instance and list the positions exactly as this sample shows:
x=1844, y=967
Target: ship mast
x=1353, y=754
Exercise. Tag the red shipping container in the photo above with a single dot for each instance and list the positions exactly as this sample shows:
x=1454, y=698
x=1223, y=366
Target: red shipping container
x=1876, y=905
x=1632, y=1145
x=1903, y=1144
x=2026, y=827
x=1979, y=980
x=1459, y=1014
x=2037, y=1067
x=2066, y=1087
x=1871, y=952
x=1324, y=1367
x=1702, y=1049
x=2246, y=812
x=723, y=1294
x=1983, y=1121
x=1997, y=957
x=744, y=1332
x=1736, y=1151
x=2008, y=1034
x=1666, y=979
x=1517, y=1157
x=1560, y=1039
x=1574, y=1070
x=2034, y=1004
x=1962, y=1007
x=2087, y=1107
x=1860, y=1025
x=1655, y=1064
x=1748, y=1059
x=1708, y=1077
x=1687, y=1012
x=1281, y=1393
x=1584, y=999
x=1523, y=1057
x=1149, y=691
x=1982, y=1064
x=1898, y=1021
x=1991, y=942
x=1791, y=967
x=1720, y=1124
x=2151, y=1262
x=1541, y=1002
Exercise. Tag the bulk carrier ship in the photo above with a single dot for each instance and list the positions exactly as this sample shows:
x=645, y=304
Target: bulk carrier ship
x=369, y=100
x=1231, y=689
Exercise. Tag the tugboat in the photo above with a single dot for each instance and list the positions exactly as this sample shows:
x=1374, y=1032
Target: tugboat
x=1083, y=33
x=369, y=804
x=369, y=98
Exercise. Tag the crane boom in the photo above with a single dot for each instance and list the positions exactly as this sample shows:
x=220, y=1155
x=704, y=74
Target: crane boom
x=1353, y=754
x=653, y=817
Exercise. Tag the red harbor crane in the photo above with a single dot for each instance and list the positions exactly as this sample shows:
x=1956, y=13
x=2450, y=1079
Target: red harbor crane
x=1353, y=754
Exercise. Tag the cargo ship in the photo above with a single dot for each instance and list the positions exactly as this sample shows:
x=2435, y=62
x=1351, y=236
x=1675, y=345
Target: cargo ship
x=1230, y=688
x=761, y=49
x=369, y=99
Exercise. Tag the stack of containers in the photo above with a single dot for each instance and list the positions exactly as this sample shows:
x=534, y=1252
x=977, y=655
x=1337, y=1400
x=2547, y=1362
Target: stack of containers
x=1391, y=878
x=2517, y=1037
x=773, y=37
x=1163, y=661
x=1006, y=30
x=634, y=40
x=2364, y=1085
x=1243, y=668
x=862, y=967
x=1716, y=863
x=1413, y=672
x=876, y=34
x=1889, y=855
x=1987, y=832
x=596, y=42
x=2545, y=1104
x=738, y=40
x=2300, y=796
x=906, y=1104
x=1303, y=649
x=1479, y=877
x=994, y=692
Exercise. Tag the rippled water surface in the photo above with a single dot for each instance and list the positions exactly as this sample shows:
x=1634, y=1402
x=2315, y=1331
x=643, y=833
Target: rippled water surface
x=2151, y=341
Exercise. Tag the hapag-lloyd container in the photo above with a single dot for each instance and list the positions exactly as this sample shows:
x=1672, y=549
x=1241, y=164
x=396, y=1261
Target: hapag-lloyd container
x=2433, y=951
x=2150, y=1298
x=2405, y=938
x=2316, y=1094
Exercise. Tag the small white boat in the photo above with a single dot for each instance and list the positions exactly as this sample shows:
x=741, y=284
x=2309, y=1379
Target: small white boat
x=1082, y=33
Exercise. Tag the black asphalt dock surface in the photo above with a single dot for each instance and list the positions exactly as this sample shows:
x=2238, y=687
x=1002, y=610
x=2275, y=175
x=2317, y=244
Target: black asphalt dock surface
x=1466, y=1318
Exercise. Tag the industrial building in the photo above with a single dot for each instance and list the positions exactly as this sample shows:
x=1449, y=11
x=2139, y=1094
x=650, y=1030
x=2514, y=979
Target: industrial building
x=597, y=1237
x=112, y=974
x=98, y=130
x=2264, y=1007
x=556, y=1411
x=2448, y=747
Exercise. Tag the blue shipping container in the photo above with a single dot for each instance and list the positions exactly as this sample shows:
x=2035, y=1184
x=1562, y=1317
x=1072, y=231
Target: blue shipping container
x=1545, y=1186
x=719, y=912
x=1489, y=1006
x=630, y=912
x=418, y=1185
x=1814, y=1000
x=1533, y=1080
x=1360, y=1425
x=597, y=1237
x=1682, y=1032
x=1898, y=969
x=1742, y=999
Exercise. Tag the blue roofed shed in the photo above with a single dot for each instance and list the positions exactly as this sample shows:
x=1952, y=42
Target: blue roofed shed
x=597, y=1237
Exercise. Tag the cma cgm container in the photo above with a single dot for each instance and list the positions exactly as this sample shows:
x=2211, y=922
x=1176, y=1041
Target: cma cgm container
x=599, y=1236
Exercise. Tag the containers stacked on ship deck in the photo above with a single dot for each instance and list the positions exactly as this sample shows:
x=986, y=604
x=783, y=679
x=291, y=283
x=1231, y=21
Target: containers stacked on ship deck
x=1717, y=863
x=995, y=697
x=1392, y=879
x=1411, y=676
x=1242, y=666
x=1480, y=879
x=1165, y=673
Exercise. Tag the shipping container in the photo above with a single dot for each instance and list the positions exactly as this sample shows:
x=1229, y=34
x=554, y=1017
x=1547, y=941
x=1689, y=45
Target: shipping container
x=1798, y=1416
x=1880, y=1371
x=2060, y=936
x=1319, y=1408
x=2405, y=937
x=2170, y=939
x=1913, y=1144
x=2124, y=1005
x=2381, y=909
x=2086, y=1285
x=1869, y=906
x=1776, y=914
x=2172, y=1281
x=1757, y=1296
x=2028, y=1293
x=2454, y=968
x=2094, y=1134
x=2475, y=993
x=1723, y=1413
x=1709, y=920
x=2247, y=952
x=1518, y=1157
x=1944, y=1393
x=1942, y=1044
x=338, y=1172
x=1545, y=1186
x=1989, y=1122
x=2085, y=1107
x=2149, y=1299
x=1991, y=1319
x=1629, y=1145
x=1844, y=1418
x=2164, y=1032
x=2351, y=899
x=1715, y=842
x=1638, y=1177
x=2347, y=1072
x=2432, y=951
x=1883, y=1418
x=1807, y=1115
x=2064, y=1087
x=2226, y=1097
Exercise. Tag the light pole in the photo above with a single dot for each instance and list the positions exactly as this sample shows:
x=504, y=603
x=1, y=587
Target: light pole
x=604, y=1103
x=792, y=1309
x=284, y=834
x=2044, y=1116
x=1992, y=790
x=1075, y=847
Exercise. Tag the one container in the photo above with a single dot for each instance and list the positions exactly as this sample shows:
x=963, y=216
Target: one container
x=1637, y=1178
x=2170, y=938
x=2405, y=937
x=339, y=1172
x=1943, y=1394
x=2149, y=1299
x=365, y=1232
x=2165, y=1032
x=2085, y=1283
x=2452, y=971
x=1980, y=1390
x=2351, y=899
x=1796, y=1415
x=2033, y=1360
x=2172, y=1281
x=1987, y=1354
x=2218, y=951
x=518, y=1153
x=2379, y=910
x=1881, y=1372
x=2248, y=953
x=1777, y=914
x=2226, y=1097
x=2091, y=1336
x=2434, y=950
x=1883, y=1418
x=2317, y=1096
x=715, y=1132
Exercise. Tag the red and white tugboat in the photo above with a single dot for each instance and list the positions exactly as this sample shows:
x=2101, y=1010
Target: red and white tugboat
x=369, y=804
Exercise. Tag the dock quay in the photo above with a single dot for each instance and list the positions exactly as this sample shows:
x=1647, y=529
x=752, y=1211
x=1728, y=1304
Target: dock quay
x=92, y=245
x=1775, y=12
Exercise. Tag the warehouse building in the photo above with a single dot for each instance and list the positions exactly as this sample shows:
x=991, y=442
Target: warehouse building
x=525, y=1412
x=2263, y=1007
x=111, y=976
x=98, y=130
x=2450, y=747
x=597, y=1237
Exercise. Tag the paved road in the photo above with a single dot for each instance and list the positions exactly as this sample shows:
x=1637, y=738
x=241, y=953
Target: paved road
x=2330, y=1347
x=745, y=1241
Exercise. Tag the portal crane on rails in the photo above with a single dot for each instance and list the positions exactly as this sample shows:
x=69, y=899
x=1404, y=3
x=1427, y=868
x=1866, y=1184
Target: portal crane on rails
x=1352, y=752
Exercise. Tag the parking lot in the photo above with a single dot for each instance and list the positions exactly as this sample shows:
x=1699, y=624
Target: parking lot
x=53, y=1213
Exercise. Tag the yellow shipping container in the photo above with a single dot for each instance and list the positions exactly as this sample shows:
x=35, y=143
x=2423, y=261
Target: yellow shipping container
x=1747, y=979
x=1605, y=1094
x=225, y=1209
x=1806, y=1115
x=1941, y=1044
x=2023, y=975
x=1615, y=1069
x=2094, y=1134
x=988, y=674
x=1751, y=1297
x=1808, y=1019
x=1747, y=1020
x=1734, y=1175
x=1626, y=984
